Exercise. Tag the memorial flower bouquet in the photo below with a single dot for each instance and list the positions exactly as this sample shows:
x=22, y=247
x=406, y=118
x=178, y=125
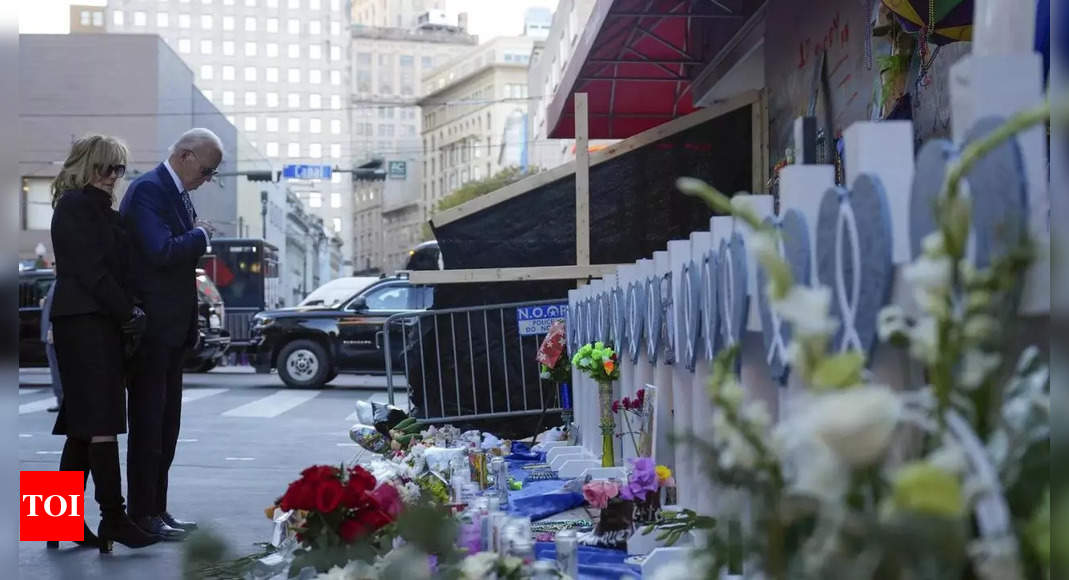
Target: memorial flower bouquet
x=636, y=410
x=598, y=362
x=554, y=363
x=947, y=479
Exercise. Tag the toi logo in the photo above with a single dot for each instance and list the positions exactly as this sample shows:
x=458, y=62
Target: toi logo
x=51, y=506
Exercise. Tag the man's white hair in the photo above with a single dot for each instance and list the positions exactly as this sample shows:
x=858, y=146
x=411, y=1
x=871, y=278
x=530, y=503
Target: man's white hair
x=196, y=139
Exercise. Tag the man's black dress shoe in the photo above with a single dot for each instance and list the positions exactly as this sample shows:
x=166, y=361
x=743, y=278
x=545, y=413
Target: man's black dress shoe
x=156, y=526
x=177, y=523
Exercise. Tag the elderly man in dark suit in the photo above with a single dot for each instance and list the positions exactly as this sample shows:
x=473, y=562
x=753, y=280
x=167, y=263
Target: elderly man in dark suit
x=167, y=240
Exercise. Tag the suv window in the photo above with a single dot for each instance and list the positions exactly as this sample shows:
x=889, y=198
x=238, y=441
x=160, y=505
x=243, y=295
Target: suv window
x=33, y=290
x=389, y=297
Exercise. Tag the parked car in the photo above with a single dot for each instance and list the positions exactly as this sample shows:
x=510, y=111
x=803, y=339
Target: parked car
x=337, y=291
x=310, y=345
x=34, y=285
x=245, y=272
x=214, y=339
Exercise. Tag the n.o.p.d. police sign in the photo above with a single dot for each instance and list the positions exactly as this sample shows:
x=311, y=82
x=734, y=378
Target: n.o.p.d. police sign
x=534, y=320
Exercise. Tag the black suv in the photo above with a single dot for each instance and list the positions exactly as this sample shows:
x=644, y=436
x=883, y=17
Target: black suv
x=34, y=285
x=310, y=345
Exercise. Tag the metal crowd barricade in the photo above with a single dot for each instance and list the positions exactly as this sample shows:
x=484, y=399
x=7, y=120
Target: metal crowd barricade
x=451, y=353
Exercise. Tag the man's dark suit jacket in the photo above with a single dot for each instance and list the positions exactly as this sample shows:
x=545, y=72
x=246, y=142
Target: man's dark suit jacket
x=164, y=256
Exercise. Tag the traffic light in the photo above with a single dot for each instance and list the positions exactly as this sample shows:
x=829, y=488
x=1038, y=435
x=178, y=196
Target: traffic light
x=266, y=175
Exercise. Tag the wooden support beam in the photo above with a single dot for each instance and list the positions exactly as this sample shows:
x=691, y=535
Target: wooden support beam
x=511, y=274
x=582, y=181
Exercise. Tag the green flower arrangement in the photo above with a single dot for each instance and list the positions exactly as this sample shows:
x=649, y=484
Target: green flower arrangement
x=598, y=362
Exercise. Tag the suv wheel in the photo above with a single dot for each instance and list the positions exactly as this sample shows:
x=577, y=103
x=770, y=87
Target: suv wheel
x=303, y=364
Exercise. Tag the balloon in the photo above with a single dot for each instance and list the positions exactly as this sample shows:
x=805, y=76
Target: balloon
x=369, y=438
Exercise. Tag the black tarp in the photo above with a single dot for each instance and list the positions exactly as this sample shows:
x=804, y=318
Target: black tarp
x=635, y=209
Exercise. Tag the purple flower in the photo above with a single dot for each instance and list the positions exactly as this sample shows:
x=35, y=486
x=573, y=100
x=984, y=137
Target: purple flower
x=641, y=481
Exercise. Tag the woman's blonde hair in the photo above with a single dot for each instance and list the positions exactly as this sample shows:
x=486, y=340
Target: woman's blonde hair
x=89, y=158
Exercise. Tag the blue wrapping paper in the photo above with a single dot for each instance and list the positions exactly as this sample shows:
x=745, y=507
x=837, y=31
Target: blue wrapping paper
x=522, y=452
x=593, y=562
x=539, y=499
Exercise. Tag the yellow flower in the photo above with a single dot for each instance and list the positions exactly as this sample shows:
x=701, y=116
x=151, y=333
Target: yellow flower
x=924, y=488
x=663, y=473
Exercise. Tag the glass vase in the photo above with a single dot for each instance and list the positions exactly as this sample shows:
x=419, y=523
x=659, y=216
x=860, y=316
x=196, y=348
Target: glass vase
x=608, y=425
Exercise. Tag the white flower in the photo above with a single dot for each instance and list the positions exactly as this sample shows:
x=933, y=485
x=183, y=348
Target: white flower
x=857, y=424
x=478, y=566
x=950, y=458
x=976, y=366
x=933, y=245
x=735, y=451
x=806, y=309
x=891, y=322
x=978, y=328
x=731, y=392
x=924, y=340
x=930, y=278
x=756, y=412
x=812, y=469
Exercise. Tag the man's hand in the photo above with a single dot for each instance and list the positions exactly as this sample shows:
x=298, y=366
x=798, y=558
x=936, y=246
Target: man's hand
x=137, y=324
x=208, y=228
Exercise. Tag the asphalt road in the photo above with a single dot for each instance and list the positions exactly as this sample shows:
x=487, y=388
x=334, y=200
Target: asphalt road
x=244, y=438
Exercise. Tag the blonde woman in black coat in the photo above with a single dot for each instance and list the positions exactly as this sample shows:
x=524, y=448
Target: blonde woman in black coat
x=94, y=318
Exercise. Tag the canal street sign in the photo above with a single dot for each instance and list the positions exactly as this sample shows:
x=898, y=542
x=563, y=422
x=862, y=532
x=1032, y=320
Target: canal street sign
x=397, y=170
x=534, y=320
x=306, y=172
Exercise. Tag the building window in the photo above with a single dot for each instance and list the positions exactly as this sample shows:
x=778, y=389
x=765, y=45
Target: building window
x=335, y=5
x=272, y=124
x=207, y=94
x=206, y=72
x=408, y=75
x=314, y=5
x=183, y=20
x=228, y=23
x=117, y=18
x=250, y=123
x=272, y=100
x=335, y=127
x=184, y=46
x=293, y=125
x=250, y=74
x=272, y=149
x=293, y=100
x=335, y=151
x=315, y=52
x=315, y=199
x=335, y=177
x=228, y=98
x=335, y=102
x=293, y=150
x=206, y=2
x=337, y=225
x=272, y=74
x=315, y=28
x=206, y=47
x=250, y=3
x=315, y=150
x=228, y=47
x=250, y=24
x=272, y=50
x=335, y=52
x=335, y=77
x=162, y=20
x=140, y=19
x=250, y=49
x=293, y=26
x=315, y=126
x=293, y=75
x=293, y=4
x=228, y=73
x=315, y=77
x=315, y=101
x=272, y=3
x=363, y=72
x=425, y=62
x=250, y=99
x=294, y=51
x=272, y=24
x=335, y=28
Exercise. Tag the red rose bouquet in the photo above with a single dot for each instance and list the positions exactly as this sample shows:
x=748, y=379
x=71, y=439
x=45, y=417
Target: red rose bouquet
x=338, y=507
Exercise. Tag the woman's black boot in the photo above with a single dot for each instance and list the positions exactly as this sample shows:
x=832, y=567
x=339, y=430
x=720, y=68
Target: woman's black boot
x=76, y=458
x=115, y=525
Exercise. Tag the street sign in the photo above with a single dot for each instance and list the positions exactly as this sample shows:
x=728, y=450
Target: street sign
x=397, y=170
x=306, y=171
x=534, y=320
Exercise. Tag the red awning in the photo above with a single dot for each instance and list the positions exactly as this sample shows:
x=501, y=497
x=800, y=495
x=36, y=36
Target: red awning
x=636, y=60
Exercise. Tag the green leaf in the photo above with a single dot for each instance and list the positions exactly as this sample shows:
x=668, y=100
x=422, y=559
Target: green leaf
x=839, y=371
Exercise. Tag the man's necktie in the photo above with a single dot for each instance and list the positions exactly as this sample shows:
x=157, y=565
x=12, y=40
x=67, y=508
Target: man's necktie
x=188, y=203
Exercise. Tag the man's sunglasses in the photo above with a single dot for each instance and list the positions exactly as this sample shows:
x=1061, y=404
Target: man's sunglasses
x=206, y=172
x=115, y=170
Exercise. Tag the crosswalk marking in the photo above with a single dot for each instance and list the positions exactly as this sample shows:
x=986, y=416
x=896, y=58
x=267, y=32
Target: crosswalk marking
x=272, y=405
x=35, y=406
x=196, y=394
